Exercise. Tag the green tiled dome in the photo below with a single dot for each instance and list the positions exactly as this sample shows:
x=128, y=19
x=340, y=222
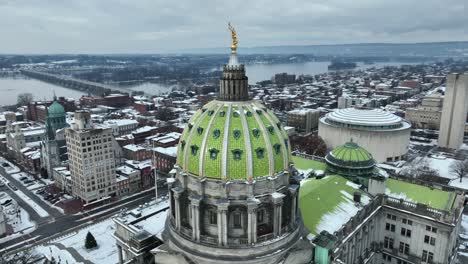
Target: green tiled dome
x=235, y=140
x=56, y=110
x=351, y=159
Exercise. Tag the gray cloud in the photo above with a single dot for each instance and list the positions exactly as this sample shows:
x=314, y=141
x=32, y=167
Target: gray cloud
x=141, y=26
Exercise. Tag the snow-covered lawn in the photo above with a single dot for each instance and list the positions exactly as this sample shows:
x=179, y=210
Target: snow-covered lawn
x=102, y=232
x=52, y=251
x=39, y=210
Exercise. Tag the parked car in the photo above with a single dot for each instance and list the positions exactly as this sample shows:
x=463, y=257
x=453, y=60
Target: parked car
x=28, y=181
x=40, y=191
x=12, y=187
x=23, y=178
x=4, y=164
x=6, y=202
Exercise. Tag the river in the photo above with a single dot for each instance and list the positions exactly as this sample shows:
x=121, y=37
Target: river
x=11, y=87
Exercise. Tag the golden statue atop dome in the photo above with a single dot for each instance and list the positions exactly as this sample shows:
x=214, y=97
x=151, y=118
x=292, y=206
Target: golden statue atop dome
x=234, y=36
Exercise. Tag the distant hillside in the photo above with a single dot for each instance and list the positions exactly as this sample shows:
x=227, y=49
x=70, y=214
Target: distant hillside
x=434, y=49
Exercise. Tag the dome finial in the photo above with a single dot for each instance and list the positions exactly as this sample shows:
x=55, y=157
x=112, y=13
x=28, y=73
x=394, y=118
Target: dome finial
x=234, y=37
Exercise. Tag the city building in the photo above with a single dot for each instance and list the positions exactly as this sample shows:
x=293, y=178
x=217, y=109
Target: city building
x=284, y=78
x=381, y=219
x=383, y=134
x=53, y=147
x=164, y=158
x=454, y=111
x=428, y=114
x=304, y=120
x=121, y=127
x=91, y=159
x=2, y=222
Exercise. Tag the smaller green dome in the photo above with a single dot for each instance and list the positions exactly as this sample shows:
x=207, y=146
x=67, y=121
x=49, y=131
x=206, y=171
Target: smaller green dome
x=56, y=110
x=350, y=160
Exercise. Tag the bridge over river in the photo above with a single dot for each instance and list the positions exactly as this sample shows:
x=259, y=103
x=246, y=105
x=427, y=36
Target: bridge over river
x=73, y=83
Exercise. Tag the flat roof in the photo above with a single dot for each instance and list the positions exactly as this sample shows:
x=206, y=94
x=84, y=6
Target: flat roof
x=306, y=164
x=435, y=198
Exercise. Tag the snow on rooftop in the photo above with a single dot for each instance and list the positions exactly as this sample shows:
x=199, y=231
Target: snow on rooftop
x=170, y=151
x=374, y=117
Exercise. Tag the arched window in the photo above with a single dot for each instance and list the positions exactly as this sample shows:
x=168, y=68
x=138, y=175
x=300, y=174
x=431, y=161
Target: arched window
x=260, y=153
x=200, y=130
x=256, y=132
x=237, y=154
x=213, y=153
x=194, y=149
x=216, y=133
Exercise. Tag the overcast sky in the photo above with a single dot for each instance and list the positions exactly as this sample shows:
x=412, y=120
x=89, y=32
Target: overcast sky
x=154, y=26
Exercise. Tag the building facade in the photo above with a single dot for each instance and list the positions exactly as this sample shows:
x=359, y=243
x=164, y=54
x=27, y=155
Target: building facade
x=304, y=120
x=91, y=159
x=454, y=112
x=428, y=114
x=383, y=134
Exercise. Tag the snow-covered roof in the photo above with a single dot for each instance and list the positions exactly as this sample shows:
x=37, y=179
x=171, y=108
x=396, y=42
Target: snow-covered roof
x=363, y=117
x=170, y=151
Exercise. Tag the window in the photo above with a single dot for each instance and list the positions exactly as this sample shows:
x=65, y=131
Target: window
x=260, y=152
x=388, y=243
x=213, y=153
x=406, y=221
x=405, y=232
x=256, y=132
x=237, y=133
x=404, y=248
x=390, y=227
x=277, y=148
x=237, y=154
x=213, y=217
x=431, y=229
x=237, y=220
x=391, y=217
x=260, y=216
x=429, y=240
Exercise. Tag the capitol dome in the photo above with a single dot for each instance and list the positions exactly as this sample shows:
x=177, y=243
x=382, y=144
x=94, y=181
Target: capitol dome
x=232, y=198
x=234, y=140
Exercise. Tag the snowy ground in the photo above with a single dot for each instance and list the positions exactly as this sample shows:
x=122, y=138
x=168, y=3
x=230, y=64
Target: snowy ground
x=70, y=248
x=63, y=248
x=16, y=216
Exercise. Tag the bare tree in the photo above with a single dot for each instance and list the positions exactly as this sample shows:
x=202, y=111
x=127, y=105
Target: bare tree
x=459, y=168
x=24, y=99
x=420, y=169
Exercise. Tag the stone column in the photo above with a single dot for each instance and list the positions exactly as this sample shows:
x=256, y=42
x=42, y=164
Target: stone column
x=252, y=205
x=177, y=192
x=119, y=251
x=195, y=207
x=277, y=199
x=293, y=190
x=223, y=205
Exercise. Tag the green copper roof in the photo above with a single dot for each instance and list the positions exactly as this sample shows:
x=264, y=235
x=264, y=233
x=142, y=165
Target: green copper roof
x=233, y=140
x=435, y=198
x=56, y=110
x=327, y=203
x=351, y=152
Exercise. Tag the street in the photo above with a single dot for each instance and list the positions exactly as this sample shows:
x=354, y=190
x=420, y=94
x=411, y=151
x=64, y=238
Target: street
x=57, y=222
